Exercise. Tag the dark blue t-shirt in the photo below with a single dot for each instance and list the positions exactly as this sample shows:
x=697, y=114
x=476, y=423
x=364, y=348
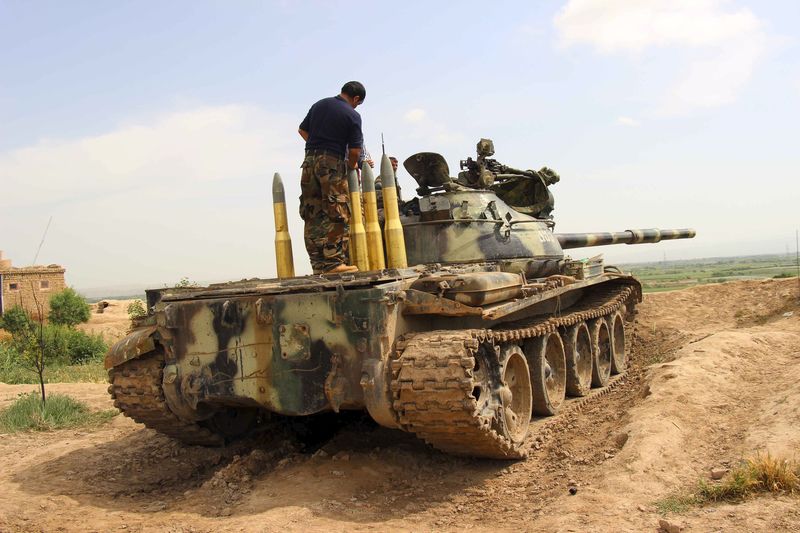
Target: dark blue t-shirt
x=332, y=124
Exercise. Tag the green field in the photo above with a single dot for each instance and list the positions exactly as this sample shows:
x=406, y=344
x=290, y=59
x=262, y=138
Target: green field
x=671, y=275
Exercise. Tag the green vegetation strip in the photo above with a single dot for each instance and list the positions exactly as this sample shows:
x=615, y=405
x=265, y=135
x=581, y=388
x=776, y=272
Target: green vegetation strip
x=759, y=474
x=673, y=275
x=59, y=411
x=16, y=374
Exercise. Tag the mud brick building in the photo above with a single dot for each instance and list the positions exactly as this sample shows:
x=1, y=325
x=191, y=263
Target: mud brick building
x=25, y=285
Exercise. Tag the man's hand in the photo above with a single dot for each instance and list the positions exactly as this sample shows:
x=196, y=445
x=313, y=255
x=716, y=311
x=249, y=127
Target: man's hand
x=303, y=133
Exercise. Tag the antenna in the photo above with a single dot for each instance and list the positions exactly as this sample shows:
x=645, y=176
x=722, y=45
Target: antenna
x=383, y=146
x=39, y=249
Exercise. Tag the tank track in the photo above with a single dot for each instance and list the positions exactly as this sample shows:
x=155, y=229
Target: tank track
x=136, y=390
x=432, y=378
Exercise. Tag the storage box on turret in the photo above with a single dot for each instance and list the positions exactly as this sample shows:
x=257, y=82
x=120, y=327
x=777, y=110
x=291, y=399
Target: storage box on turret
x=584, y=268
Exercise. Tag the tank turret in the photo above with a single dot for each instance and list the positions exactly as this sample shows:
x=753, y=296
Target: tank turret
x=496, y=213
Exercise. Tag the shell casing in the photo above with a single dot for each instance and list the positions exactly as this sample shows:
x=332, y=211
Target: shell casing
x=372, y=226
x=283, y=241
x=393, y=229
x=358, y=237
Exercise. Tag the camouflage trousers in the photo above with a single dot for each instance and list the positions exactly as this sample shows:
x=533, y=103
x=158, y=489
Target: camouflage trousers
x=325, y=210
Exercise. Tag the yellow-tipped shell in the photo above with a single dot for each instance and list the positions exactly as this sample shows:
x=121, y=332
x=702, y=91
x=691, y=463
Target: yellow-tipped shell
x=393, y=229
x=372, y=227
x=283, y=242
x=358, y=238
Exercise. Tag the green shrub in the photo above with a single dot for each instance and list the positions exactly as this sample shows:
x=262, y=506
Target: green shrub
x=84, y=347
x=56, y=344
x=28, y=414
x=15, y=320
x=136, y=309
x=68, y=308
x=783, y=275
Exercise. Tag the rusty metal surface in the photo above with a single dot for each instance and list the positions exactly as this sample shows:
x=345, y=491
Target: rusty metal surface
x=134, y=345
x=423, y=303
x=473, y=288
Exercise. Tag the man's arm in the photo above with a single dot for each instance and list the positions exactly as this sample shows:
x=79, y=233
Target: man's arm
x=305, y=125
x=352, y=157
x=355, y=141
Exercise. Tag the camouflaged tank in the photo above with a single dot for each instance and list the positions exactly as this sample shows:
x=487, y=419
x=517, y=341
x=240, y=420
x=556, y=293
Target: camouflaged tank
x=491, y=326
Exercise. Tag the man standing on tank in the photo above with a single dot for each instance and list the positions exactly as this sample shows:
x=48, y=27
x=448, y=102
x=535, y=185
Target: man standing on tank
x=332, y=131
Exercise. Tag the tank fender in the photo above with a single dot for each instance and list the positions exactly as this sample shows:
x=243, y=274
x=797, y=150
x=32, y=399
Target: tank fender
x=136, y=344
x=377, y=397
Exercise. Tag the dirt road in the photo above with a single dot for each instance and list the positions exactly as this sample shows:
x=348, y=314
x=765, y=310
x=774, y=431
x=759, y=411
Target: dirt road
x=715, y=380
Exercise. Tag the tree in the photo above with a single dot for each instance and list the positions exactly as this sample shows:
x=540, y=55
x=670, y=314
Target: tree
x=28, y=337
x=68, y=308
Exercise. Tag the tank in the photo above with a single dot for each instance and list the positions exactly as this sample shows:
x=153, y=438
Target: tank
x=492, y=324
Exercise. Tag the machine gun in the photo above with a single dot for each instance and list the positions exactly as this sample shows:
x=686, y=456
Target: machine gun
x=525, y=190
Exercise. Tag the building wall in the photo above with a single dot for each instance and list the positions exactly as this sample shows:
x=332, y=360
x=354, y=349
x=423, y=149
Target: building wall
x=24, y=286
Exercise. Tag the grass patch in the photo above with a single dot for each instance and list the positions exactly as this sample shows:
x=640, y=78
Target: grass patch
x=762, y=473
x=16, y=374
x=675, y=504
x=759, y=474
x=60, y=411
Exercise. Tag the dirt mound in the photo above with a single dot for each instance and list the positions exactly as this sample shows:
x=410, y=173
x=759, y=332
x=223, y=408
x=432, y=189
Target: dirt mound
x=721, y=305
x=706, y=389
x=113, y=323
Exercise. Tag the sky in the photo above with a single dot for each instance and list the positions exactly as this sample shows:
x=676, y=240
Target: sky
x=150, y=131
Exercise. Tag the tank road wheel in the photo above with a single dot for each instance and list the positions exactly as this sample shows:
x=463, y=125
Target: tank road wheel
x=461, y=394
x=578, y=348
x=548, y=367
x=601, y=348
x=619, y=359
x=515, y=394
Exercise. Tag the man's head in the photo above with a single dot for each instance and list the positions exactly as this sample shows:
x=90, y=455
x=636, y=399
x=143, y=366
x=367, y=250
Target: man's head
x=354, y=92
x=394, y=163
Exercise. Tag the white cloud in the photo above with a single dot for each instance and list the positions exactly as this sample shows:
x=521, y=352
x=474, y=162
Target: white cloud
x=183, y=194
x=725, y=42
x=206, y=144
x=415, y=115
x=627, y=121
x=423, y=127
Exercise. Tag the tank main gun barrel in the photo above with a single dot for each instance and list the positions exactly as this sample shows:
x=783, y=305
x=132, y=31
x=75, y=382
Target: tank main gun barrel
x=630, y=236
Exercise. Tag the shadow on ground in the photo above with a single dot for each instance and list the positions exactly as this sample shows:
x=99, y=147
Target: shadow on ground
x=359, y=469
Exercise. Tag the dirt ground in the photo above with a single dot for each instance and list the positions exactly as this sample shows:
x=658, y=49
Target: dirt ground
x=715, y=379
x=112, y=323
